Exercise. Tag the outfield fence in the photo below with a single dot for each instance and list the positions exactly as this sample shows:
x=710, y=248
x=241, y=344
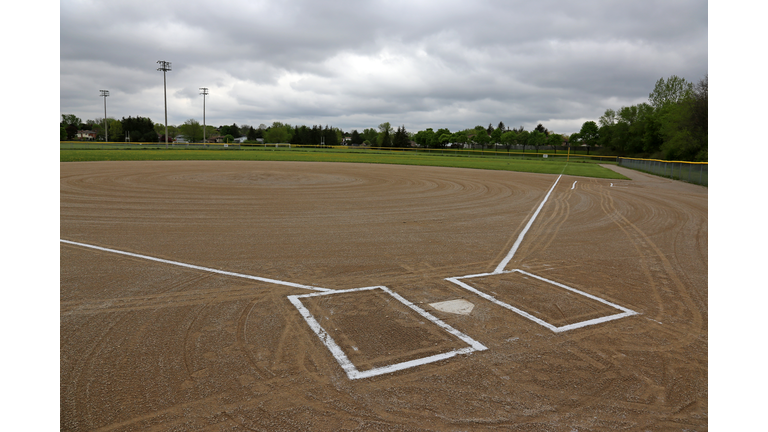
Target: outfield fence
x=89, y=145
x=691, y=172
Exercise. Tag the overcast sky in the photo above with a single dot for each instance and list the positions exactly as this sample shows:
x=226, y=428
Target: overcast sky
x=356, y=64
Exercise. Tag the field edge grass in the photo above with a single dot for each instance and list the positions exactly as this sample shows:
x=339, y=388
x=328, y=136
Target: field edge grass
x=550, y=166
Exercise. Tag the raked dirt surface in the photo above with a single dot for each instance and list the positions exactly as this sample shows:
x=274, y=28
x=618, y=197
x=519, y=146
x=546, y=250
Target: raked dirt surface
x=154, y=346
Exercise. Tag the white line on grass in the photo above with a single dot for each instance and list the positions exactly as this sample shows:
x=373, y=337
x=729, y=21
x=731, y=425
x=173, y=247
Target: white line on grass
x=192, y=266
x=511, y=253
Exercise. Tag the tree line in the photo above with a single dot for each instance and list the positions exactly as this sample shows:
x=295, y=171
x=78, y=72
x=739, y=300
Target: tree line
x=142, y=129
x=672, y=125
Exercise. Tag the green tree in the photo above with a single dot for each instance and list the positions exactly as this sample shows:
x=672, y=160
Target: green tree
x=537, y=139
x=234, y=130
x=508, y=139
x=252, y=134
x=115, y=130
x=400, y=138
x=355, y=138
x=574, y=140
x=608, y=119
x=62, y=134
x=480, y=136
x=496, y=136
x=258, y=133
x=426, y=138
x=385, y=135
x=71, y=124
x=97, y=125
x=370, y=135
x=673, y=90
x=71, y=131
x=589, y=133
x=138, y=128
x=523, y=137
x=192, y=130
x=70, y=120
x=277, y=133
x=460, y=138
x=555, y=140
x=682, y=140
x=444, y=139
x=331, y=137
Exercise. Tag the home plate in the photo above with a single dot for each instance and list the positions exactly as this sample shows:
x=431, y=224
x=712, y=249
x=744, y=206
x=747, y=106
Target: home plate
x=459, y=307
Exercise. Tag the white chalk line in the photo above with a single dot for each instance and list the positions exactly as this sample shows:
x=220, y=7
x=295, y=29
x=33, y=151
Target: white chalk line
x=624, y=311
x=339, y=354
x=347, y=365
x=519, y=240
x=196, y=267
x=332, y=346
x=500, y=270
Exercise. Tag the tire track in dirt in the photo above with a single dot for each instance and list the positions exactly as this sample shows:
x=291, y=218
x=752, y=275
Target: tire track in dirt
x=80, y=376
x=638, y=243
x=643, y=241
x=545, y=228
x=263, y=369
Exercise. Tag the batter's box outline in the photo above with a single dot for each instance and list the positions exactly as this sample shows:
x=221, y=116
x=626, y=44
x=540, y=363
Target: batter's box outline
x=349, y=367
x=624, y=311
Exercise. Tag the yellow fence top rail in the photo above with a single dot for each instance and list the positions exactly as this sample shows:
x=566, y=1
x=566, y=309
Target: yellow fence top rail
x=666, y=161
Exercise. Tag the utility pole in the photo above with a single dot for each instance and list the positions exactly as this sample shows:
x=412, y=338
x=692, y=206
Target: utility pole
x=204, y=91
x=104, y=94
x=165, y=67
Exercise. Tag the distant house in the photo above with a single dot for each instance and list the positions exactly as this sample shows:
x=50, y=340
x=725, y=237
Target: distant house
x=241, y=139
x=86, y=135
x=181, y=139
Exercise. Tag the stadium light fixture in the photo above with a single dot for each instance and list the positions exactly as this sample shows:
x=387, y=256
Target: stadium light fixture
x=105, y=94
x=165, y=67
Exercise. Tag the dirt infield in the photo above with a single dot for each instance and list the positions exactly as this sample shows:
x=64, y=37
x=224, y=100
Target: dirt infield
x=153, y=346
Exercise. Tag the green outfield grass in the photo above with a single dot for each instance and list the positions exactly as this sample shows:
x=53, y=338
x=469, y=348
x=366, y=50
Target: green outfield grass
x=586, y=168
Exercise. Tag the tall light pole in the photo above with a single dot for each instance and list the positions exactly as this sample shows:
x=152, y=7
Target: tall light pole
x=104, y=94
x=165, y=67
x=204, y=91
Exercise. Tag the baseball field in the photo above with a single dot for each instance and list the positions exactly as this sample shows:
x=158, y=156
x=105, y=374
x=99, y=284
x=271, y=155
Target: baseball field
x=279, y=295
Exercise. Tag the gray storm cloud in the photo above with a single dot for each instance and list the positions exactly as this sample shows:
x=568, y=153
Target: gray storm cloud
x=356, y=64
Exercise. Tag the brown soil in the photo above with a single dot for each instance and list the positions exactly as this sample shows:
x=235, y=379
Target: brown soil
x=150, y=346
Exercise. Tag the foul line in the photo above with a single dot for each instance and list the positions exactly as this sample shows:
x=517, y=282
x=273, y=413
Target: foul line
x=192, y=266
x=511, y=253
